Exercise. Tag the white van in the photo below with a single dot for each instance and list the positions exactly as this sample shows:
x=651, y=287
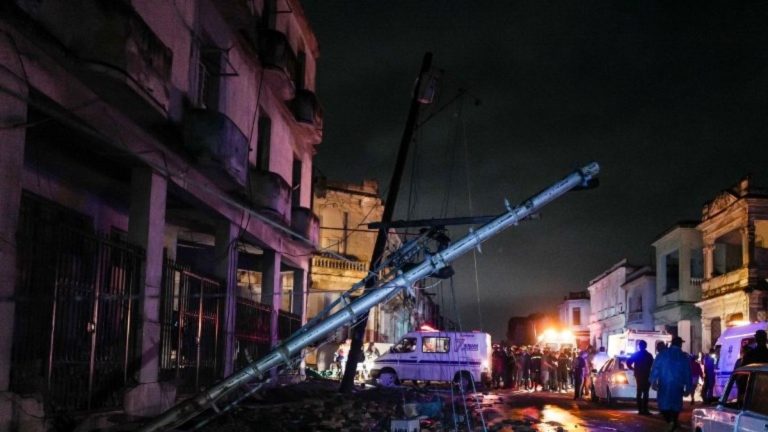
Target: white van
x=459, y=357
x=728, y=348
x=625, y=344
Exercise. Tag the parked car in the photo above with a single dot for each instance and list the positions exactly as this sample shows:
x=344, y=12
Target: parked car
x=615, y=381
x=743, y=407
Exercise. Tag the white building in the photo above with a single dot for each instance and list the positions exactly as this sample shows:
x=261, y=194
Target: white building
x=608, y=303
x=679, y=272
x=574, y=316
x=734, y=227
x=152, y=151
x=640, y=288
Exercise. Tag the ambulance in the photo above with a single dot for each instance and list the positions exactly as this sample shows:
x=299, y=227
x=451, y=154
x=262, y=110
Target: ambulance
x=625, y=344
x=463, y=358
x=728, y=349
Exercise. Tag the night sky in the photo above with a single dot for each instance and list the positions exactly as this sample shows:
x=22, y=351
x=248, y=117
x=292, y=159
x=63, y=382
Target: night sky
x=671, y=100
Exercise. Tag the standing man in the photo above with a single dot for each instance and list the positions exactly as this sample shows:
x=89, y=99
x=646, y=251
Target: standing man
x=671, y=378
x=707, y=390
x=641, y=362
x=759, y=354
x=579, y=372
x=536, y=369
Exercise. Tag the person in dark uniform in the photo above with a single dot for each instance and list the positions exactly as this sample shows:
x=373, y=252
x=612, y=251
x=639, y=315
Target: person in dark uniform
x=641, y=362
x=759, y=354
x=579, y=372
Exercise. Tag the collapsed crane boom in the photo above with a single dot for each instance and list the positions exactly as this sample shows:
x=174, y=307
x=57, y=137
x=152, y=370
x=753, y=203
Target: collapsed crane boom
x=291, y=347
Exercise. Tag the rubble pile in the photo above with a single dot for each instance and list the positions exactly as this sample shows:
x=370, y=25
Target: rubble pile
x=316, y=405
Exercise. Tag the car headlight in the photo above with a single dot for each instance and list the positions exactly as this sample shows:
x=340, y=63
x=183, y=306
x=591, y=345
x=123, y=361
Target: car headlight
x=619, y=378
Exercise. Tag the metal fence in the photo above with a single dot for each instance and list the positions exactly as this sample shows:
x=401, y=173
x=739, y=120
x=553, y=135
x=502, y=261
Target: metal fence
x=75, y=312
x=191, y=307
x=252, y=329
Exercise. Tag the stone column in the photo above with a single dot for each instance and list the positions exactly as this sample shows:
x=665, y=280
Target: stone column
x=272, y=290
x=272, y=295
x=748, y=245
x=709, y=263
x=146, y=228
x=13, y=111
x=226, y=270
x=299, y=305
x=300, y=292
x=706, y=334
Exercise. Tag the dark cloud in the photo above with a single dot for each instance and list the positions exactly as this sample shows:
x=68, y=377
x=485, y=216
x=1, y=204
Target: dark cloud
x=671, y=99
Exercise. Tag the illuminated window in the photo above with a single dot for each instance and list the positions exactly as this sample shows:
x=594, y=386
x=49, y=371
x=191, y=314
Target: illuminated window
x=435, y=344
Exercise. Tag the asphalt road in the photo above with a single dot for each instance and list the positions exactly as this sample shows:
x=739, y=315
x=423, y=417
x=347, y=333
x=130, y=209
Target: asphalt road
x=546, y=411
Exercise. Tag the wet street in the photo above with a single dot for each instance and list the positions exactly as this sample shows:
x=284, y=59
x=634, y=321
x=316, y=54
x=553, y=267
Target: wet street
x=317, y=406
x=545, y=411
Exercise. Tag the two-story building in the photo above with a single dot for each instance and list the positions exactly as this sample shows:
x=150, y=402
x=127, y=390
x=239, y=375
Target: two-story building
x=734, y=227
x=574, y=314
x=640, y=289
x=153, y=151
x=679, y=272
x=608, y=303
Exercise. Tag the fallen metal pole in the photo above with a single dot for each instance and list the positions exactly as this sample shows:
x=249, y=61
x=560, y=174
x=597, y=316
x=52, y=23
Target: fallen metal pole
x=292, y=346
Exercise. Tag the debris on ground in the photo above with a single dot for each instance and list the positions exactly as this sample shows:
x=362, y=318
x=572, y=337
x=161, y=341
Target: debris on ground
x=316, y=405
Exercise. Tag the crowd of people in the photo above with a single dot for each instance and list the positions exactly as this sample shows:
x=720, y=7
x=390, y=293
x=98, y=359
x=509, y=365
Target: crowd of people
x=534, y=368
x=672, y=373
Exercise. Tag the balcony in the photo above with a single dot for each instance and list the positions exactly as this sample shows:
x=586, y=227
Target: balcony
x=338, y=264
x=725, y=284
x=304, y=222
x=271, y=194
x=279, y=62
x=306, y=109
x=118, y=55
x=219, y=147
x=635, y=317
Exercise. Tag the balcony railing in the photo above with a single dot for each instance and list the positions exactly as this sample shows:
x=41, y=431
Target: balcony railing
x=338, y=264
x=219, y=146
x=305, y=223
x=635, y=316
x=113, y=44
x=271, y=193
x=696, y=281
x=306, y=108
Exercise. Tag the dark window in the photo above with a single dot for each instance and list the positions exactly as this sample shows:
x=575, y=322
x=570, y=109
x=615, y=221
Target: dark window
x=697, y=264
x=733, y=397
x=263, y=143
x=209, y=78
x=576, y=316
x=672, y=264
x=296, y=183
x=728, y=253
x=405, y=345
x=758, y=401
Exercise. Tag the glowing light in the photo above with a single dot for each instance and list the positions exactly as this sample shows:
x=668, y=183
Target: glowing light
x=739, y=323
x=427, y=328
x=619, y=378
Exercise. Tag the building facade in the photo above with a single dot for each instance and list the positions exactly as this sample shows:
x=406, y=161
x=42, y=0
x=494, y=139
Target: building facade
x=640, y=289
x=156, y=182
x=574, y=314
x=734, y=228
x=679, y=273
x=344, y=211
x=608, y=303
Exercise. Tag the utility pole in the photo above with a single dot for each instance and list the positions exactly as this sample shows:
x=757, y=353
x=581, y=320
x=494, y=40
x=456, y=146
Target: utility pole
x=358, y=332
